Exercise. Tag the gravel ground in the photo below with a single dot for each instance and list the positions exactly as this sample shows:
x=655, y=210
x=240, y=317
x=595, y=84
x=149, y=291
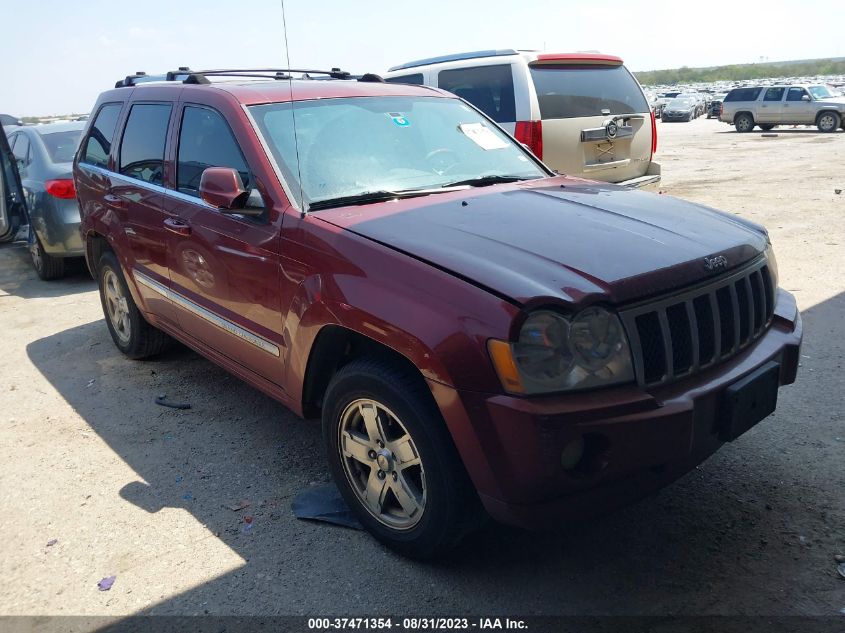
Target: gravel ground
x=128, y=488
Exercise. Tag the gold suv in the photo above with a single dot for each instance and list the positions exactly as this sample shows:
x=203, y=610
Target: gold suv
x=770, y=106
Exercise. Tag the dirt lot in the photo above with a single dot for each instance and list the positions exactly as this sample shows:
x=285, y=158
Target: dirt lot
x=135, y=490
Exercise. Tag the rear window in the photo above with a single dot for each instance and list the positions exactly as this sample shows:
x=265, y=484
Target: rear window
x=565, y=92
x=488, y=88
x=416, y=79
x=61, y=146
x=743, y=94
x=98, y=146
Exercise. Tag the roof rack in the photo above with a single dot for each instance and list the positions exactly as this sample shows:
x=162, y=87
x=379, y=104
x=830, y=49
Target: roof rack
x=187, y=76
x=454, y=58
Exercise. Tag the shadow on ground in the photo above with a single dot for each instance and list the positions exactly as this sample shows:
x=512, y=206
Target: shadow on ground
x=18, y=277
x=752, y=531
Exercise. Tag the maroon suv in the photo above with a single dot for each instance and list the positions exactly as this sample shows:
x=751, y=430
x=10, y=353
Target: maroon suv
x=476, y=333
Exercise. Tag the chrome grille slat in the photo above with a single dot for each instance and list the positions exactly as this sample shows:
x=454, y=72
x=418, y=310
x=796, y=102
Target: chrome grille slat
x=669, y=340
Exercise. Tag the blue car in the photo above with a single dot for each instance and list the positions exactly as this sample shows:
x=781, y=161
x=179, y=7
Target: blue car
x=44, y=156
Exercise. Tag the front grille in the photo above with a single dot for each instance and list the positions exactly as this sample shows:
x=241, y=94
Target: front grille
x=680, y=335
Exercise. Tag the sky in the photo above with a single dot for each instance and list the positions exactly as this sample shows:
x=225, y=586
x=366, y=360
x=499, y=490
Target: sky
x=57, y=56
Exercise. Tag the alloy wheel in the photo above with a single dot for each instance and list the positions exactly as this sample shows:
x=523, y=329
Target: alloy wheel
x=827, y=123
x=117, y=306
x=382, y=464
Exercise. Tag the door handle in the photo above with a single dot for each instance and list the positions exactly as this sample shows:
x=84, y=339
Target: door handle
x=178, y=226
x=115, y=201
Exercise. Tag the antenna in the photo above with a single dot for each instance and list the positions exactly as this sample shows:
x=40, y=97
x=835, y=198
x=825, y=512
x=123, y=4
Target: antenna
x=293, y=110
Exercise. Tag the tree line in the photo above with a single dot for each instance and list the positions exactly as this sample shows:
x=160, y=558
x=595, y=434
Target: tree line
x=739, y=72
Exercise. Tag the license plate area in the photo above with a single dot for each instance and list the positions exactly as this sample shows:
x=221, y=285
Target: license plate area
x=749, y=400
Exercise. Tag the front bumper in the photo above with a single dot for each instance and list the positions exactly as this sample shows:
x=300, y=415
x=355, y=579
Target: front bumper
x=638, y=440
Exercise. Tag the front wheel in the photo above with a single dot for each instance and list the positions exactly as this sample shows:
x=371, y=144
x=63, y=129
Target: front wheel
x=394, y=461
x=744, y=123
x=767, y=126
x=828, y=122
x=129, y=330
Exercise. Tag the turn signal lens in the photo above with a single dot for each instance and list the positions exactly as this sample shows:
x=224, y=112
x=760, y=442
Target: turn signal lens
x=62, y=188
x=500, y=352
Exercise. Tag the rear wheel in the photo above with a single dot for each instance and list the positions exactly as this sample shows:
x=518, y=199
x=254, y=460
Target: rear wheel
x=744, y=123
x=394, y=461
x=47, y=266
x=828, y=121
x=129, y=330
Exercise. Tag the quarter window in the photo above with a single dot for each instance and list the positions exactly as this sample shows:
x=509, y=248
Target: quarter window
x=774, y=94
x=795, y=94
x=142, y=148
x=488, y=88
x=206, y=140
x=98, y=145
x=743, y=94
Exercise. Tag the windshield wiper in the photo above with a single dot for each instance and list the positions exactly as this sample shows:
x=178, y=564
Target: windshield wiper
x=484, y=181
x=381, y=195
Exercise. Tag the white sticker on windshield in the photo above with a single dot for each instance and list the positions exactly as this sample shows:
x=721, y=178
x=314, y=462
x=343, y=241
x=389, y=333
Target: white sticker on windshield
x=482, y=136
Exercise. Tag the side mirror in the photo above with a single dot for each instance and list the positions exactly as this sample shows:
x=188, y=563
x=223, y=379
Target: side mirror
x=805, y=98
x=222, y=188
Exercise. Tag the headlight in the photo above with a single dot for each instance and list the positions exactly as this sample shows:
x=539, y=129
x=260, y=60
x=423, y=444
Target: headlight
x=555, y=353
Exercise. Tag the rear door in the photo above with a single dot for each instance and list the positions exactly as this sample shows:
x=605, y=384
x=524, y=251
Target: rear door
x=577, y=100
x=12, y=206
x=771, y=107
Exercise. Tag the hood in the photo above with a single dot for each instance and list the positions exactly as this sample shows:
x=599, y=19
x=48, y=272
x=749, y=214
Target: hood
x=564, y=239
x=837, y=101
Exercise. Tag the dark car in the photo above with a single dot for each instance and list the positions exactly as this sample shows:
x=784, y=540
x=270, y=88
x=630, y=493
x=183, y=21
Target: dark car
x=475, y=333
x=680, y=109
x=44, y=156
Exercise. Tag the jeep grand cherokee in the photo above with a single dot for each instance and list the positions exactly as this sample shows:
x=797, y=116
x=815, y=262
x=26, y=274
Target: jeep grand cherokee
x=477, y=334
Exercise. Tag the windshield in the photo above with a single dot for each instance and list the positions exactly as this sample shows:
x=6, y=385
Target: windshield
x=565, y=92
x=61, y=146
x=681, y=104
x=820, y=92
x=353, y=146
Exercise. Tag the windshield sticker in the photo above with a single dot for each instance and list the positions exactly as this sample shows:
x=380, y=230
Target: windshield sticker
x=482, y=136
x=399, y=119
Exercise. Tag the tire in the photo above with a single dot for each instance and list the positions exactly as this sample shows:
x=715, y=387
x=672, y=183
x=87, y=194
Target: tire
x=744, y=122
x=440, y=505
x=828, y=122
x=767, y=126
x=47, y=266
x=129, y=330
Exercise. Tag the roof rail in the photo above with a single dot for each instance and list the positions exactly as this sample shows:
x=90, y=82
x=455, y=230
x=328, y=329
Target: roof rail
x=185, y=75
x=454, y=58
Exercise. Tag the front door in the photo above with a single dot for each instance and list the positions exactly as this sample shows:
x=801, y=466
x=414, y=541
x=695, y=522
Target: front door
x=798, y=110
x=224, y=267
x=771, y=107
x=12, y=206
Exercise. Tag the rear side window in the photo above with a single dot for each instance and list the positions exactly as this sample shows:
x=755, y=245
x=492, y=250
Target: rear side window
x=743, y=94
x=416, y=79
x=21, y=151
x=206, y=140
x=565, y=92
x=774, y=94
x=488, y=88
x=98, y=145
x=142, y=148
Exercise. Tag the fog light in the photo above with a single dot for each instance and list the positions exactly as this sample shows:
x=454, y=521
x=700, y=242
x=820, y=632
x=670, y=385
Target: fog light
x=572, y=453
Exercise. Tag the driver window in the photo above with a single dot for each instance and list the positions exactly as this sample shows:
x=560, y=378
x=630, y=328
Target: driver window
x=142, y=148
x=205, y=140
x=795, y=94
